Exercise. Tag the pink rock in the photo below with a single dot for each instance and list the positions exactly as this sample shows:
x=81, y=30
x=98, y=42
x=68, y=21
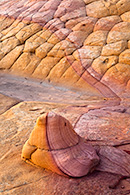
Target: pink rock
x=79, y=69
x=116, y=77
x=50, y=5
x=74, y=14
x=86, y=63
x=68, y=6
x=86, y=52
x=105, y=91
x=94, y=73
x=77, y=37
x=106, y=23
x=43, y=17
x=54, y=25
x=62, y=33
x=89, y=78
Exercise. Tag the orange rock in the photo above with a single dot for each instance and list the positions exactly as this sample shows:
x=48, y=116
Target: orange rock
x=53, y=144
x=5, y=22
x=33, y=42
x=26, y=63
x=89, y=89
x=97, y=38
x=6, y=103
x=9, y=44
x=123, y=6
x=69, y=78
x=103, y=63
x=97, y=9
x=119, y=32
x=43, y=49
x=126, y=16
x=88, y=1
x=129, y=44
x=117, y=77
x=11, y=57
x=28, y=31
x=72, y=22
x=87, y=52
x=86, y=24
x=114, y=48
x=43, y=69
x=59, y=69
x=13, y=29
x=124, y=57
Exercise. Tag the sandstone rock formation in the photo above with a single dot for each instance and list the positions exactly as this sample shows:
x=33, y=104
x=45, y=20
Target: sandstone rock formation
x=82, y=44
x=7, y=102
x=20, y=178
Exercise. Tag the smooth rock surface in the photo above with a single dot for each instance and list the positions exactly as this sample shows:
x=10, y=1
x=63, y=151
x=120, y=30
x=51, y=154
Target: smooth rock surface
x=21, y=178
x=7, y=102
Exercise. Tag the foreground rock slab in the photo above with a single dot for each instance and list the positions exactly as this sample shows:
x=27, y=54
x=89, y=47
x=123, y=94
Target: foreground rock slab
x=7, y=102
x=20, y=178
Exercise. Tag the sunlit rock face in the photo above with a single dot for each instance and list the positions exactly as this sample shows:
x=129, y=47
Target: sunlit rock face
x=83, y=44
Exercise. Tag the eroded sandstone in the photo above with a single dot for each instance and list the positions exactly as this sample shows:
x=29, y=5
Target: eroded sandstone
x=82, y=45
x=59, y=28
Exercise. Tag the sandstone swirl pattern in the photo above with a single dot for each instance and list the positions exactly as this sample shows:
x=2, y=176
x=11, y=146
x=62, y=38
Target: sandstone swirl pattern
x=78, y=43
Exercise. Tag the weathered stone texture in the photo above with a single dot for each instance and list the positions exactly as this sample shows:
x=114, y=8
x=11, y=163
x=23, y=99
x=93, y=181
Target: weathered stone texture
x=114, y=48
x=125, y=57
x=10, y=58
x=43, y=49
x=51, y=30
x=59, y=69
x=82, y=44
x=126, y=16
x=6, y=103
x=103, y=63
x=120, y=31
x=97, y=38
x=97, y=9
x=118, y=74
x=85, y=52
x=106, y=23
x=28, y=31
x=21, y=178
x=43, y=69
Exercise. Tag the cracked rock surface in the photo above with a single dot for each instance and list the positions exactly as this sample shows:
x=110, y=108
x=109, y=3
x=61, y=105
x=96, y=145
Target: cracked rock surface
x=82, y=44
x=81, y=49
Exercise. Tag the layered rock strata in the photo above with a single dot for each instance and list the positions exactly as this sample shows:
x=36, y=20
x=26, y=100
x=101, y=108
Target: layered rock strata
x=82, y=44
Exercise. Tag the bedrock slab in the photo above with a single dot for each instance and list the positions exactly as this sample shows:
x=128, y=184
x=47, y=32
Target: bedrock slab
x=7, y=102
x=20, y=178
x=99, y=120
